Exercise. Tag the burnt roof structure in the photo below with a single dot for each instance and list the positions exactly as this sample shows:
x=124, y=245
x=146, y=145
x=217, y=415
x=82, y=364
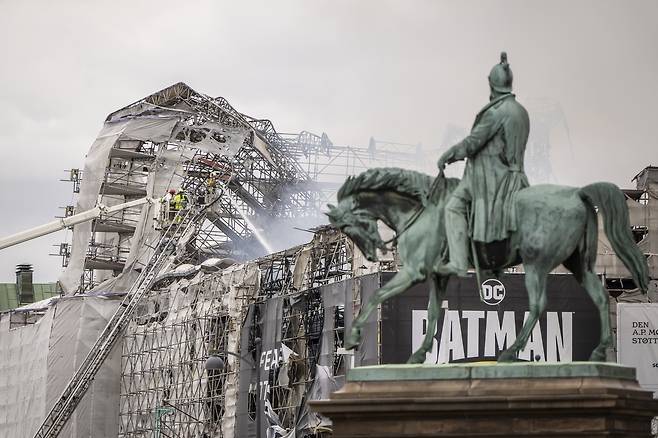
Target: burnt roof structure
x=237, y=168
x=256, y=187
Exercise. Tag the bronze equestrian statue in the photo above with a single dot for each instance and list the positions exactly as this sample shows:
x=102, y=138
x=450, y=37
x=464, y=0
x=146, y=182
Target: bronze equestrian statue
x=541, y=226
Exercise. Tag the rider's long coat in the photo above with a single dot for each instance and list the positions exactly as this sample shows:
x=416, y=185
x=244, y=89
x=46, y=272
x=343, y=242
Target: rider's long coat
x=494, y=170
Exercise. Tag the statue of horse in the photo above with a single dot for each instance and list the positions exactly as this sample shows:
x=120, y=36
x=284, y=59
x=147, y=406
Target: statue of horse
x=555, y=225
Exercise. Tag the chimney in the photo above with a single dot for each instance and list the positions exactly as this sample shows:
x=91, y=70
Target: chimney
x=24, y=288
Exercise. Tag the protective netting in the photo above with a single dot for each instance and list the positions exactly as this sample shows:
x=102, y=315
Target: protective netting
x=39, y=350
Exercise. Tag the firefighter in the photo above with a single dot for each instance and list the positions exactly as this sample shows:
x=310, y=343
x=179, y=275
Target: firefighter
x=168, y=202
x=211, y=185
x=179, y=200
x=179, y=203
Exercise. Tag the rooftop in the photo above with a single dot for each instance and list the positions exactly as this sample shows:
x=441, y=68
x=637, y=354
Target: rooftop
x=9, y=297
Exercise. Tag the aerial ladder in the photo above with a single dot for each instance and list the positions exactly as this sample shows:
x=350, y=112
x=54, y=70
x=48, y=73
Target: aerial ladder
x=97, y=212
x=83, y=377
x=178, y=227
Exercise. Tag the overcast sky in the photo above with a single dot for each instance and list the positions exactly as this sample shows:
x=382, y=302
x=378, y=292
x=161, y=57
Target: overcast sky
x=400, y=71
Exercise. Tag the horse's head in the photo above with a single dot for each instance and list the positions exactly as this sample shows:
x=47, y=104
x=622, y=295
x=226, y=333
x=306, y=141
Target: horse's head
x=359, y=225
x=388, y=194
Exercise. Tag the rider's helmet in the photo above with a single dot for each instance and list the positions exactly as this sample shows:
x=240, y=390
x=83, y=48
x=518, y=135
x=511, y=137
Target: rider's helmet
x=172, y=191
x=501, y=77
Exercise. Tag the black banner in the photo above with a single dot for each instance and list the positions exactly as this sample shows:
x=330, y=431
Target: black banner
x=478, y=329
x=296, y=358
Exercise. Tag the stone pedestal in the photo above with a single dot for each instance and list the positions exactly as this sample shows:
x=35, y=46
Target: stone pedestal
x=585, y=399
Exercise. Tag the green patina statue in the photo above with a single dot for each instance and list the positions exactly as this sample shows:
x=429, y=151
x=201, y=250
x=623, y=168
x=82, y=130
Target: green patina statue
x=493, y=174
x=510, y=223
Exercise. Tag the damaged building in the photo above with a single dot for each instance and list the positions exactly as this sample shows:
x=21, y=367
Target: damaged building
x=247, y=190
x=224, y=324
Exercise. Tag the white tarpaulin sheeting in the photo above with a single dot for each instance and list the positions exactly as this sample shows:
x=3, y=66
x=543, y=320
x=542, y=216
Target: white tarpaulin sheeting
x=167, y=174
x=23, y=375
x=210, y=137
x=263, y=148
x=156, y=129
x=94, y=170
x=637, y=341
x=77, y=324
x=37, y=361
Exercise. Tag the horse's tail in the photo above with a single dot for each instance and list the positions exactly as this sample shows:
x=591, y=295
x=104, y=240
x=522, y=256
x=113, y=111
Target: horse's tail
x=611, y=202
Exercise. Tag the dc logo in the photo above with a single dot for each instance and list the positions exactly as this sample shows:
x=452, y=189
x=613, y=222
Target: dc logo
x=493, y=292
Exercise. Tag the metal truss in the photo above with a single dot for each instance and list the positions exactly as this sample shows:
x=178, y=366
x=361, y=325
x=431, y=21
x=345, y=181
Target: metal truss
x=272, y=176
x=165, y=389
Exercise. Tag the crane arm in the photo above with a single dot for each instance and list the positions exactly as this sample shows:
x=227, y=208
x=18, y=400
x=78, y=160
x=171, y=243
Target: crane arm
x=60, y=224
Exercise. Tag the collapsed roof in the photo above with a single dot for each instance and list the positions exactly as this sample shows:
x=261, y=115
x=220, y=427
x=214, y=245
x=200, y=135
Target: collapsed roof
x=179, y=138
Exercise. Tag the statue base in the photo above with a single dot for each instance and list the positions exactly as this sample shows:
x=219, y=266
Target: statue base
x=588, y=399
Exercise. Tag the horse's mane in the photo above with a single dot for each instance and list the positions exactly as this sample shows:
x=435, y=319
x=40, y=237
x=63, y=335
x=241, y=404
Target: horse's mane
x=407, y=182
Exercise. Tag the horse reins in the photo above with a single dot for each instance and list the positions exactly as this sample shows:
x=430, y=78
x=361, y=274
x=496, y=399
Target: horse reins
x=419, y=210
x=415, y=216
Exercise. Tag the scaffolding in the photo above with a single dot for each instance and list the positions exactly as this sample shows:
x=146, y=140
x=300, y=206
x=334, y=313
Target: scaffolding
x=165, y=388
x=254, y=176
x=239, y=176
x=208, y=141
x=243, y=175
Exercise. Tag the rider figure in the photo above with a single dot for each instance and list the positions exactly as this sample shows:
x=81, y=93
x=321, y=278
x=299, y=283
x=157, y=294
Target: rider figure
x=483, y=200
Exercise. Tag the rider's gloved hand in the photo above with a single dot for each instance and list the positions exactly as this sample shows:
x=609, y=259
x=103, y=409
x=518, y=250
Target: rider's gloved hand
x=445, y=159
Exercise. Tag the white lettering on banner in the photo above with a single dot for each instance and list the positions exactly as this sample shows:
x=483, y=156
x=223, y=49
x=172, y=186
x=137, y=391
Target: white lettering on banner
x=559, y=344
x=264, y=388
x=418, y=332
x=451, y=344
x=269, y=360
x=473, y=318
x=534, y=348
x=503, y=334
x=498, y=336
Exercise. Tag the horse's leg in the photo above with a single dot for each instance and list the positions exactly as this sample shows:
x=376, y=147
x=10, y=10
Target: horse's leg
x=535, y=283
x=402, y=281
x=597, y=292
x=583, y=273
x=434, y=309
x=588, y=279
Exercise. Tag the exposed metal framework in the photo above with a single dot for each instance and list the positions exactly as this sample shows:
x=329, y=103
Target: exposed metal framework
x=177, y=325
x=85, y=373
x=165, y=389
x=271, y=177
x=328, y=258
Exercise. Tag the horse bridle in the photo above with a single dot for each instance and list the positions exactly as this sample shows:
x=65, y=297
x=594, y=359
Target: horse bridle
x=419, y=210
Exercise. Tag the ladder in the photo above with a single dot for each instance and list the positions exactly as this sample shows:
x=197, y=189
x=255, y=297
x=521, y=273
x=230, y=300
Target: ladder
x=83, y=377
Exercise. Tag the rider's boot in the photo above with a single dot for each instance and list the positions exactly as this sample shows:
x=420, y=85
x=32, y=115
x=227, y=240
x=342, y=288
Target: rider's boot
x=457, y=230
x=450, y=269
